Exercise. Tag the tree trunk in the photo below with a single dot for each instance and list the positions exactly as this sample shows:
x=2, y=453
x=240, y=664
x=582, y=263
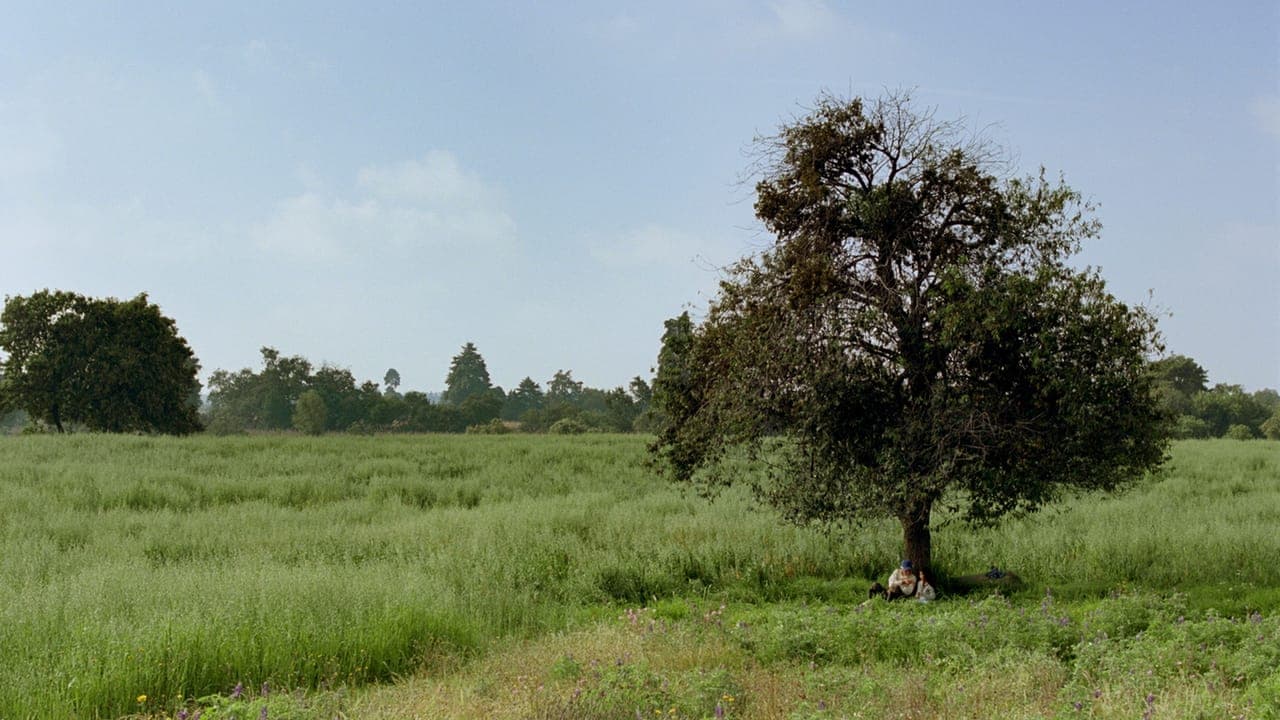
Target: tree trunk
x=57, y=417
x=916, y=540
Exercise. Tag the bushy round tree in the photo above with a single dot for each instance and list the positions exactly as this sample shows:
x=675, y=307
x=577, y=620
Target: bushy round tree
x=913, y=338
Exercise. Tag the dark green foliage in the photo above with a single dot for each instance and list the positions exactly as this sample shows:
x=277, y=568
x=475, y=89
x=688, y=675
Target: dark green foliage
x=309, y=414
x=493, y=427
x=527, y=396
x=540, y=420
x=1239, y=432
x=482, y=407
x=568, y=426
x=265, y=400
x=1226, y=405
x=391, y=379
x=1189, y=426
x=913, y=339
x=1181, y=387
x=674, y=393
x=106, y=365
x=1271, y=427
x=1181, y=374
x=564, y=389
x=467, y=377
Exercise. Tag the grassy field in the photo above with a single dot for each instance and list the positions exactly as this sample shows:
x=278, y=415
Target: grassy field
x=555, y=577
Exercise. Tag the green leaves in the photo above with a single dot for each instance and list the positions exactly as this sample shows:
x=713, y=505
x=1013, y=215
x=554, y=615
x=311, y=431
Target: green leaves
x=108, y=365
x=914, y=333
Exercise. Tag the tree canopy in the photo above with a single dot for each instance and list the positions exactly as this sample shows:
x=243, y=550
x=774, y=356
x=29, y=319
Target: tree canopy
x=468, y=376
x=107, y=365
x=912, y=339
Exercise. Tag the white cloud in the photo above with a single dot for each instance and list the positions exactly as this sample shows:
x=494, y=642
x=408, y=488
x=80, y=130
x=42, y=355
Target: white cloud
x=429, y=204
x=655, y=245
x=437, y=179
x=799, y=18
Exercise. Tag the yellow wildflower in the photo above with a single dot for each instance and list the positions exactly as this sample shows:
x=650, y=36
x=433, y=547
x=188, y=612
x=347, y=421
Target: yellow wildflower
x=142, y=698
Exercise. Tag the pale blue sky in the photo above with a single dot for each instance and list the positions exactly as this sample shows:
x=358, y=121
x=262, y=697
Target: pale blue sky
x=374, y=184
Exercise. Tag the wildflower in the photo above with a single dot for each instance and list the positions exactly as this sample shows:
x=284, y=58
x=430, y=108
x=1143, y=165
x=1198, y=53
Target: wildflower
x=719, y=711
x=263, y=715
x=238, y=691
x=182, y=714
x=142, y=699
x=266, y=689
x=1077, y=705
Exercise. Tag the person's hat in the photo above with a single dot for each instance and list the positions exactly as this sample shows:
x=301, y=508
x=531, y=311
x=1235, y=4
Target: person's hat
x=906, y=564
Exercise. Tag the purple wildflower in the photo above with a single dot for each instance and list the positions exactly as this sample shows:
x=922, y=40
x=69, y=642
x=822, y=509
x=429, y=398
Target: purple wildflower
x=238, y=691
x=719, y=711
x=1077, y=705
x=266, y=689
x=263, y=715
x=182, y=714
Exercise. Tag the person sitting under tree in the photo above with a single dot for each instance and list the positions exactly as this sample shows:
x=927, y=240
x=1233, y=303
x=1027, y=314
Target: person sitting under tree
x=905, y=582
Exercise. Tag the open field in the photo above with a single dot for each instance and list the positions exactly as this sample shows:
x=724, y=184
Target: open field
x=492, y=576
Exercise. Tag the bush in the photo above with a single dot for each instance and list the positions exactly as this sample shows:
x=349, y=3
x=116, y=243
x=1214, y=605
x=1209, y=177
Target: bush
x=1239, y=432
x=567, y=426
x=493, y=427
x=1271, y=428
x=1190, y=426
x=310, y=413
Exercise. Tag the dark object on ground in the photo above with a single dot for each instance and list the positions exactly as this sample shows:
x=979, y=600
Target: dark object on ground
x=876, y=591
x=993, y=578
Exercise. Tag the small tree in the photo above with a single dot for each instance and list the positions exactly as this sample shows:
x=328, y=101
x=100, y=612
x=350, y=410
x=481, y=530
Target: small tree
x=563, y=389
x=310, y=413
x=1271, y=428
x=527, y=396
x=914, y=338
x=391, y=379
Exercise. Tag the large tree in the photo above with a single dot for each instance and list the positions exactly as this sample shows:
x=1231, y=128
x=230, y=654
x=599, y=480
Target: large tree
x=107, y=365
x=913, y=339
x=468, y=376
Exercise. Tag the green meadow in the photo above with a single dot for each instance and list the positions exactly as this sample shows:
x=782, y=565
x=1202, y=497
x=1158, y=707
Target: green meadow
x=556, y=577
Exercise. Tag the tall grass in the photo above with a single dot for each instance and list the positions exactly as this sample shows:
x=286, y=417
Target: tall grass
x=169, y=567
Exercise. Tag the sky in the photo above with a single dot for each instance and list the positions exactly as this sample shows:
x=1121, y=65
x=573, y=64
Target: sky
x=372, y=185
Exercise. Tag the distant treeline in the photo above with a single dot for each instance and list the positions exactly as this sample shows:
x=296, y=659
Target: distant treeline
x=289, y=393
x=1200, y=411
x=105, y=365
